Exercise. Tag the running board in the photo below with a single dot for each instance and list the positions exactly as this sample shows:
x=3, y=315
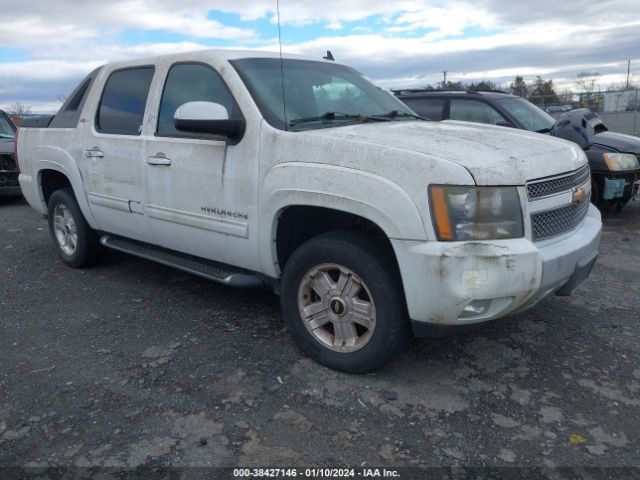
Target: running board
x=208, y=269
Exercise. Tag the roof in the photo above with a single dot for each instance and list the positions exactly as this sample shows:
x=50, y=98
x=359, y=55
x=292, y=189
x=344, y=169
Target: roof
x=219, y=53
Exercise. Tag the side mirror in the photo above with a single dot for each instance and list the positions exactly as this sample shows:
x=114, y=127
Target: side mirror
x=207, y=117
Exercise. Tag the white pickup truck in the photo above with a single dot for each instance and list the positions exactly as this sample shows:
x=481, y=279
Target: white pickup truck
x=301, y=176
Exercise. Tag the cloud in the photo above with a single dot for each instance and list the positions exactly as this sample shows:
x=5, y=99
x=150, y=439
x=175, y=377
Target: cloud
x=399, y=44
x=444, y=21
x=67, y=21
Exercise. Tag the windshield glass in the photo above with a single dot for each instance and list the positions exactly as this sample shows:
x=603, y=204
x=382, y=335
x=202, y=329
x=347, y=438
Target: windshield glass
x=6, y=131
x=317, y=94
x=530, y=117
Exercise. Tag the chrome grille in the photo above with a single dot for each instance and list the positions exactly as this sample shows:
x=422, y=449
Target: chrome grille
x=554, y=222
x=543, y=188
x=8, y=171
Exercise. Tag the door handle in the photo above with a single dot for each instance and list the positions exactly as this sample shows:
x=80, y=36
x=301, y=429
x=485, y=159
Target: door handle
x=159, y=159
x=94, y=152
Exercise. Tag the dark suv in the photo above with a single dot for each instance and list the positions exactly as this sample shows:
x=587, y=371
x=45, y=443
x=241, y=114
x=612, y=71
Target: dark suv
x=9, y=186
x=495, y=108
x=613, y=157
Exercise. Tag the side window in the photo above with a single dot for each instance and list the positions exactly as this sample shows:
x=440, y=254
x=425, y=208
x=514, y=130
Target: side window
x=430, y=108
x=121, y=109
x=474, y=111
x=192, y=82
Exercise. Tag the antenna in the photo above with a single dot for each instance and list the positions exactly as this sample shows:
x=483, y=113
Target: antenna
x=329, y=56
x=284, y=105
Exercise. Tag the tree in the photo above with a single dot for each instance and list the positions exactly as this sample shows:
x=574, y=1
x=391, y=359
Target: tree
x=483, y=86
x=542, y=92
x=565, y=97
x=618, y=86
x=519, y=87
x=586, y=82
x=18, y=109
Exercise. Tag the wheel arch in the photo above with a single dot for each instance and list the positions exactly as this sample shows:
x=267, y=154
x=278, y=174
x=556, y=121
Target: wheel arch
x=338, y=191
x=298, y=223
x=59, y=172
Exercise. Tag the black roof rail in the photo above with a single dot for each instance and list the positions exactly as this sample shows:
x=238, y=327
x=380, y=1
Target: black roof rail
x=413, y=90
x=401, y=91
x=493, y=91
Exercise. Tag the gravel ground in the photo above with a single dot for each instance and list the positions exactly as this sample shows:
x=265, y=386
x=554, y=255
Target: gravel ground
x=132, y=364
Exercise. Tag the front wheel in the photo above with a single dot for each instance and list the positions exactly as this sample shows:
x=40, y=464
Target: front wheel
x=76, y=241
x=342, y=299
x=595, y=193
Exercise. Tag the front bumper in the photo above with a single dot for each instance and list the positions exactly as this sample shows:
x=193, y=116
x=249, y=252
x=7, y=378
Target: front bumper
x=9, y=185
x=618, y=185
x=444, y=282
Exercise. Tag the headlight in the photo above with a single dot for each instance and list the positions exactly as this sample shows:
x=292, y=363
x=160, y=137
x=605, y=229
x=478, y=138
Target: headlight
x=621, y=161
x=475, y=213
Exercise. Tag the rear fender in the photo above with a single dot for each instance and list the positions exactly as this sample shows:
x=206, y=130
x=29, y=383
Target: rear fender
x=53, y=158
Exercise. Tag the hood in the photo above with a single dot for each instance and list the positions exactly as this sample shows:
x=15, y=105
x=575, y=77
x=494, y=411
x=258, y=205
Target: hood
x=492, y=155
x=618, y=141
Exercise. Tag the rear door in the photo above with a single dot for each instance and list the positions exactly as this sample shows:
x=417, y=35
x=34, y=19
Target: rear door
x=113, y=154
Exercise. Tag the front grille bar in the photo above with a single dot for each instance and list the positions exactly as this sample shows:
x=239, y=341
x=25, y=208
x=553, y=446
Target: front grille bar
x=537, y=189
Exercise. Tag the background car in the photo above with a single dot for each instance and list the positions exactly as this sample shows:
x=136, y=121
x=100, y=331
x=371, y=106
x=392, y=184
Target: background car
x=632, y=106
x=557, y=109
x=9, y=186
x=613, y=157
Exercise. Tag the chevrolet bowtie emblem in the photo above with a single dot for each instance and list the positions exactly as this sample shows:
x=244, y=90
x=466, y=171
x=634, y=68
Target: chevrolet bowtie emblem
x=579, y=195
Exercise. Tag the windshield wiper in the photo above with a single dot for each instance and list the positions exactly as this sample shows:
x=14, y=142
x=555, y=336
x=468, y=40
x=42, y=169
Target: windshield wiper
x=398, y=114
x=328, y=116
x=2, y=135
x=543, y=130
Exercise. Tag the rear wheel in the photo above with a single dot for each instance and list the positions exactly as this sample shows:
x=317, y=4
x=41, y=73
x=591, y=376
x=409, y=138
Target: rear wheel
x=77, y=243
x=342, y=300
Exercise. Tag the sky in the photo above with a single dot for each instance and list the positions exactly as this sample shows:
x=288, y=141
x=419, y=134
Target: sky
x=48, y=46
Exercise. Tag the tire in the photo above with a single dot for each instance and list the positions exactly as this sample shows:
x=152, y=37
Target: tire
x=595, y=194
x=77, y=243
x=342, y=299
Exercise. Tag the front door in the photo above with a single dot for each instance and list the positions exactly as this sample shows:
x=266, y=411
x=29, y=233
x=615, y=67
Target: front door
x=113, y=151
x=200, y=190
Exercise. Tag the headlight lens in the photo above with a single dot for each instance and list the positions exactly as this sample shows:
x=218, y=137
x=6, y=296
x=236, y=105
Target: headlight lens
x=621, y=161
x=475, y=213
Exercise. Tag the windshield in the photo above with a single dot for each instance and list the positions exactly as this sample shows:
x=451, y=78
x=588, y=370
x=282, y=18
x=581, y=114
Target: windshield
x=527, y=114
x=6, y=130
x=317, y=94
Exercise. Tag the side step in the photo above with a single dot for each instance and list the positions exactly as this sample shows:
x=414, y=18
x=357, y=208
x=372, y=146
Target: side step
x=208, y=269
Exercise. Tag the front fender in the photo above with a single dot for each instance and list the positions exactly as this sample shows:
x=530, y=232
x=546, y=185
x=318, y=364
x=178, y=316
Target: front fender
x=319, y=185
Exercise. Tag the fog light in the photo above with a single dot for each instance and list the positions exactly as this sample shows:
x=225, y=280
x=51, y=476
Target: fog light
x=475, y=308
